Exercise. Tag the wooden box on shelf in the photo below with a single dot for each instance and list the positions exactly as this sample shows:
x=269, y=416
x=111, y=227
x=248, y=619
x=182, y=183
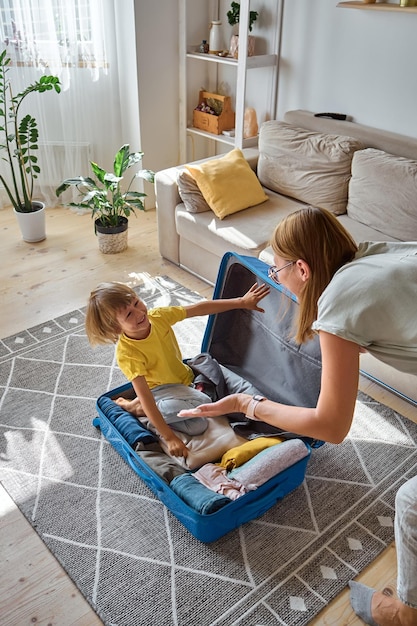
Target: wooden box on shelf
x=214, y=124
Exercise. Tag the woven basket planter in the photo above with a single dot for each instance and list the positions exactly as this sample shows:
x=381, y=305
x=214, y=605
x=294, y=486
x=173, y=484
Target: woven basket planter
x=112, y=239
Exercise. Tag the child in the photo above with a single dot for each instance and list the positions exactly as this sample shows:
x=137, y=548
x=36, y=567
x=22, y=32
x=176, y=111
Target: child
x=147, y=352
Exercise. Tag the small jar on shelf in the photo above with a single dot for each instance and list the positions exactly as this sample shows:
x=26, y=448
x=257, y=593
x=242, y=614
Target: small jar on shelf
x=204, y=47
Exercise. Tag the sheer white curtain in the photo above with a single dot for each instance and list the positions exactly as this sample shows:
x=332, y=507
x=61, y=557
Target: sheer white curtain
x=75, y=40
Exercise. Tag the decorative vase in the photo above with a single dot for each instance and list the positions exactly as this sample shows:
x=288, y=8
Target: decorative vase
x=216, y=37
x=234, y=46
x=112, y=239
x=32, y=225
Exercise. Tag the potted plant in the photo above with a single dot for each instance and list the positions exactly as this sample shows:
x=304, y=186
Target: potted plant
x=20, y=143
x=110, y=206
x=233, y=17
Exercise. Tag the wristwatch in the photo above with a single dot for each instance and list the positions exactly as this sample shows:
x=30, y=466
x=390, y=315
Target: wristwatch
x=253, y=403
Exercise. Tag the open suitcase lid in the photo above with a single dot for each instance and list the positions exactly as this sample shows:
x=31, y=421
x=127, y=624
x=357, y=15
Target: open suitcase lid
x=259, y=346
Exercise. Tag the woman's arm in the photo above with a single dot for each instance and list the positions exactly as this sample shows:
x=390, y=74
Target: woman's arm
x=176, y=447
x=330, y=420
x=248, y=301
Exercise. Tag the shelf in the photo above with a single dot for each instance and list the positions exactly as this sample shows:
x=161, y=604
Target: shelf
x=214, y=70
x=261, y=60
x=252, y=142
x=378, y=6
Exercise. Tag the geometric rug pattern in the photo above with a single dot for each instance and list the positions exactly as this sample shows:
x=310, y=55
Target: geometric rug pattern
x=129, y=556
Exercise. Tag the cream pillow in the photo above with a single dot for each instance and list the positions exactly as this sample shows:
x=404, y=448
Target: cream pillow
x=190, y=193
x=383, y=193
x=306, y=165
x=228, y=184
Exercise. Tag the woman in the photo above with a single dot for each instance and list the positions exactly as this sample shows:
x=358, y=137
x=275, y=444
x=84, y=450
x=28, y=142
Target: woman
x=358, y=298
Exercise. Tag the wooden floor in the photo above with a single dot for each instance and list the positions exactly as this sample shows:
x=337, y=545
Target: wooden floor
x=39, y=282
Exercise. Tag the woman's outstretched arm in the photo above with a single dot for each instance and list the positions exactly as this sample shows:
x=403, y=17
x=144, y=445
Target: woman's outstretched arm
x=330, y=420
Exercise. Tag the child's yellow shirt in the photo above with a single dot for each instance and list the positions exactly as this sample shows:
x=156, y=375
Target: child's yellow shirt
x=157, y=357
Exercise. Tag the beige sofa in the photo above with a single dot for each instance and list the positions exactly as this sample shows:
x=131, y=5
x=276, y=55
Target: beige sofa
x=366, y=176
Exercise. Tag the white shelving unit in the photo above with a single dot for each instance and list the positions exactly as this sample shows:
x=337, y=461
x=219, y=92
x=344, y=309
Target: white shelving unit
x=212, y=65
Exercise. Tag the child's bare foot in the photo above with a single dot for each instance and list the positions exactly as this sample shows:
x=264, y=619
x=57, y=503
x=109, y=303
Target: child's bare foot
x=132, y=406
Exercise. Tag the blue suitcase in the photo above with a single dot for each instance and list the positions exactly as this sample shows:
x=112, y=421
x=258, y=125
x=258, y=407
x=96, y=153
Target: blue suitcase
x=257, y=347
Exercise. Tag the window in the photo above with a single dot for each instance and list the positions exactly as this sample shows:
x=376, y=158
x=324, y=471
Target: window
x=54, y=33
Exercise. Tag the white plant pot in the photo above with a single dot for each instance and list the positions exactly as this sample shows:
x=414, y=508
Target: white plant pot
x=32, y=225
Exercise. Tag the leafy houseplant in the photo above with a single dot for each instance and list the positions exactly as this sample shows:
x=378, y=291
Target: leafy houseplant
x=20, y=139
x=234, y=14
x=110, y=206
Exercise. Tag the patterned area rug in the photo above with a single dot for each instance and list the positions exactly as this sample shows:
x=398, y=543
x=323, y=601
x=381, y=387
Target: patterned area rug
x=129, y=556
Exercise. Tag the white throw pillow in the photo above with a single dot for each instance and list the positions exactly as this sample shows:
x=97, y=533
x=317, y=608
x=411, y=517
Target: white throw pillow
x=306, y=165
x=383, y=193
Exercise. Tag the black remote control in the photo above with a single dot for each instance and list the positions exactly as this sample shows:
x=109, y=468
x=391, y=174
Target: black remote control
x=333, y=116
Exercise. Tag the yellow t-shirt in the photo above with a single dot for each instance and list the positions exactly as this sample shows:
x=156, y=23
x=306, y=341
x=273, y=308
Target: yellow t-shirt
x=158, y=357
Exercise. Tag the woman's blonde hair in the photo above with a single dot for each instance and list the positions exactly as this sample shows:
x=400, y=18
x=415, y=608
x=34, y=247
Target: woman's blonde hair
x=318, y=238
x=103, y=305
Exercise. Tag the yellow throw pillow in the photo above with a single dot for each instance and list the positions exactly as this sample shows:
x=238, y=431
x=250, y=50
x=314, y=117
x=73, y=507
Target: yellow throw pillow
x=228, y=184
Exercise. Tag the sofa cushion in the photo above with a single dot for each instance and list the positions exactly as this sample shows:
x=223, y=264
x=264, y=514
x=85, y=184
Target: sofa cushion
x=190, y=193
x=309, y=166
x=246, y=232
x=383, y=193
x=228, y=184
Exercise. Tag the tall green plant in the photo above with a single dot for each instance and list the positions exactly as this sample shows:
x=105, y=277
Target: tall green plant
x=105, y=197
x=20, y=138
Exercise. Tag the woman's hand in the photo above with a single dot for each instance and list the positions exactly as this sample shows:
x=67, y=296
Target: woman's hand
x=254, y=295
x=228, y=404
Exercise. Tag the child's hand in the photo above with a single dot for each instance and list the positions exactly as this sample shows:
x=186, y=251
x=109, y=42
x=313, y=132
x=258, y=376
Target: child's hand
x=254, y=295
x=176, y=447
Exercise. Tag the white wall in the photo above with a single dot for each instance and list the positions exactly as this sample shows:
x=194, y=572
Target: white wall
x=156, y=24
x=127, y=67
x=363, y=63
x=358, y=62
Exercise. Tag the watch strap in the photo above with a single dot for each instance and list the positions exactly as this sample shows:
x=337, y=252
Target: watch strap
x=253, y=403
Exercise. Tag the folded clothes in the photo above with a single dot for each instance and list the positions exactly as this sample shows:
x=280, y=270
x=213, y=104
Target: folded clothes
x=269, y=462
x=215, y=478
x=209, y=446
x=126, y=423
x=243, y=453
x=158, y=461
x=196, y=495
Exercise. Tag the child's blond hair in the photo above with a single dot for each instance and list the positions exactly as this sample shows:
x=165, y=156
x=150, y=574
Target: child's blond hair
x=103, y=305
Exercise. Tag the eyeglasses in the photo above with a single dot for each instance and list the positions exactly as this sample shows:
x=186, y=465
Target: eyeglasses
x=273, y=271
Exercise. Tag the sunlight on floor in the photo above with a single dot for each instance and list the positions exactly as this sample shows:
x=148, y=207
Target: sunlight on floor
x=27, y=450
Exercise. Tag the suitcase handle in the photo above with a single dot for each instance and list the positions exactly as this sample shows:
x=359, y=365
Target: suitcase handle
x=143, y=471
